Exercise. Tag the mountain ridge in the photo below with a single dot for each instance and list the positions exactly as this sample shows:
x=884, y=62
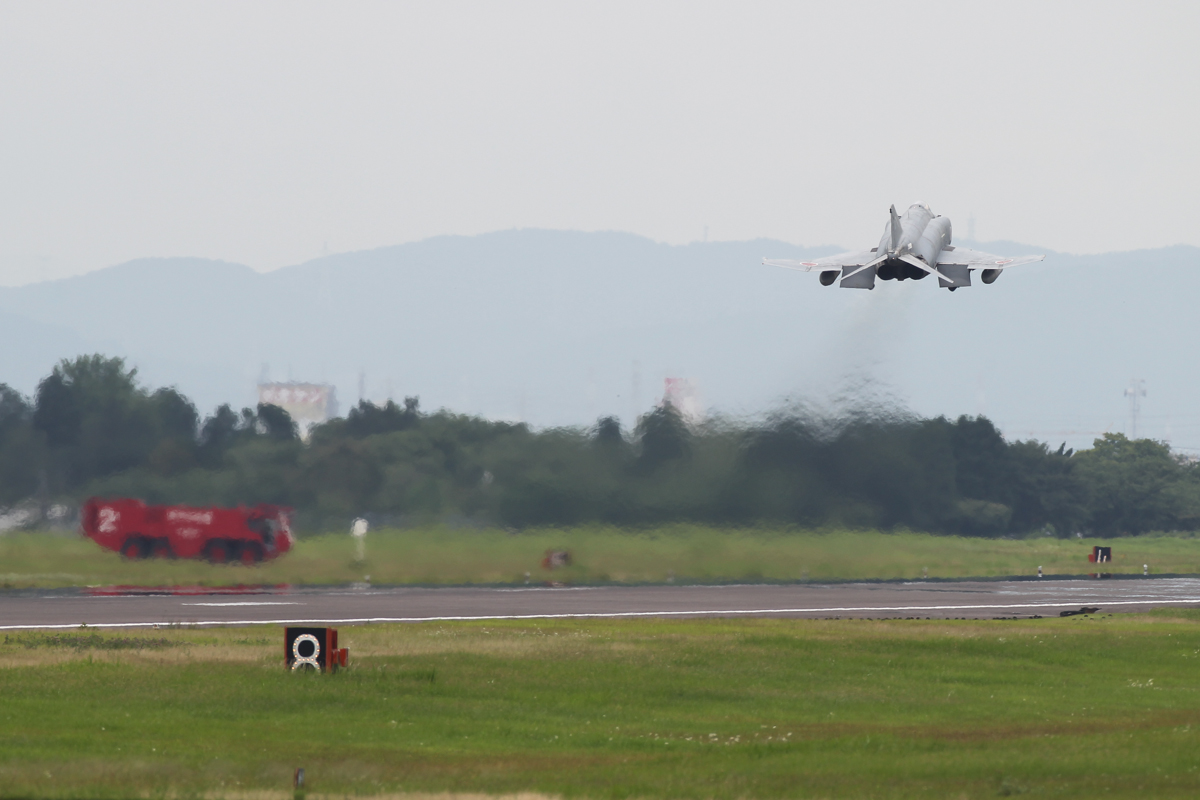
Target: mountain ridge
x=558, y=327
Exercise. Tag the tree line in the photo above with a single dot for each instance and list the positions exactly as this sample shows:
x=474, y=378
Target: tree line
x=92, y=429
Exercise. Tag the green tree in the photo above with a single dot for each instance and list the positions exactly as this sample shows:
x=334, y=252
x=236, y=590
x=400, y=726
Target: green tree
x=663, y=437
x=22, y=449
x=177, y=421
x=1130, y=485
x=1047, y=489
x=176, y=415
x=276, y=423
x=607, y=432
x=784, y=473
x=219, y=433
x=367, y=419
x=983, y=465
x=95, y=419
x=343, y=477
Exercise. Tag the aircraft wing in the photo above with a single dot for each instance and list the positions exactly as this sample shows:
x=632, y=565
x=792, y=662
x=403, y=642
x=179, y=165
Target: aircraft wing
x=961, y=256
x=823, y=264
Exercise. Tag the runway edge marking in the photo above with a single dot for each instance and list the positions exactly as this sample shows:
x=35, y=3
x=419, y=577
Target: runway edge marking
x=593, y=615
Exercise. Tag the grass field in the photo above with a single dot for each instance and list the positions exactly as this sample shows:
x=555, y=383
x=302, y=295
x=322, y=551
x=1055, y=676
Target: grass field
x=1077, y=707
x=683, y=553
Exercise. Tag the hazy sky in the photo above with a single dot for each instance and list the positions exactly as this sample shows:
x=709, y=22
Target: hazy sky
x=266, y=132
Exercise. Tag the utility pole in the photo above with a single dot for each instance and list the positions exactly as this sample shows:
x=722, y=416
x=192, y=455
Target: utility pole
x=1136, y=390
x=635, y=393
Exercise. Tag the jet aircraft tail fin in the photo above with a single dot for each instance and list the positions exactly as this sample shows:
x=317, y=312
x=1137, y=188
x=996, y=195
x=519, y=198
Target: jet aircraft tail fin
x=896, y=230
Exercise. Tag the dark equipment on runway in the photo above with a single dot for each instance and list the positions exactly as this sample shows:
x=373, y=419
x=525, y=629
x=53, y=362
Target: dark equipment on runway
x=313, y=649
x=1100, y=555
x=1084, y=610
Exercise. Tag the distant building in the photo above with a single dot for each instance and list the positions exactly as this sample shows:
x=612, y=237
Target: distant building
x=681, y=394
x=308, y=404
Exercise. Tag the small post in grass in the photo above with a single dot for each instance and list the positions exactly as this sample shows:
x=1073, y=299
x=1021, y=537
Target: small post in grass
x=1039, y=570
x=359, y=531
x=298, y=783
x=1145, y=569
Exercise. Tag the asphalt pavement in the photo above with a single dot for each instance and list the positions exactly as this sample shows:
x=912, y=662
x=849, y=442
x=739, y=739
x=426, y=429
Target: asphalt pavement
x=131, y=607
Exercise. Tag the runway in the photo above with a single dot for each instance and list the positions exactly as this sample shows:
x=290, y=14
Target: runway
x=130, y=608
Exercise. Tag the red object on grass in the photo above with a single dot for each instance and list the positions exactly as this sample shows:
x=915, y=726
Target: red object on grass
x=221, y=535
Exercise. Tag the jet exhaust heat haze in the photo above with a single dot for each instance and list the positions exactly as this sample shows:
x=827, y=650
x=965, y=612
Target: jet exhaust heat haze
x=913, y=245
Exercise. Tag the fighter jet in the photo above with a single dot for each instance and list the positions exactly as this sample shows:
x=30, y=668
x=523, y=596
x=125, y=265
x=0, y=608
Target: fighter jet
x=913, y=246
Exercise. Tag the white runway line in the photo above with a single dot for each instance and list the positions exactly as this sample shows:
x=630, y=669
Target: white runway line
x=598, y=614
x=242, y=604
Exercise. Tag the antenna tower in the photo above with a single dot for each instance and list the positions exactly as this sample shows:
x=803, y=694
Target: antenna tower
x=635, y=394
x=1136, y=391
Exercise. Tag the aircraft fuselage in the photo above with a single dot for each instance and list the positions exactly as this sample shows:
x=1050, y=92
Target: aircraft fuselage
x=917, y=233
x=913, y=245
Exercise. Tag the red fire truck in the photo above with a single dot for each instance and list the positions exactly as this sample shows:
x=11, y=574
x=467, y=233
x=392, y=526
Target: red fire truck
x=221, y=535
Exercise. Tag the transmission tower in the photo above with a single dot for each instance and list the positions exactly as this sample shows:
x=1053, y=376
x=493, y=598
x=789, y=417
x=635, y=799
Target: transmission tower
x=1136, y=391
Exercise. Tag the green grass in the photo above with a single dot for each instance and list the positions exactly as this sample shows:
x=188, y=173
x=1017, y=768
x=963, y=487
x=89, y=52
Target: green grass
x=1076, y=707
x=683, y=552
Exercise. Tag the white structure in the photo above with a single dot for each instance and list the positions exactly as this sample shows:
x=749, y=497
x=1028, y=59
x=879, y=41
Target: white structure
x=359, y=531
x=681, y=394
x=308, y=404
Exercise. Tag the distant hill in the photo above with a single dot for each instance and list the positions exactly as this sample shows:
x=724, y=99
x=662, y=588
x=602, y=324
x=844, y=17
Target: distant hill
x=548, y=326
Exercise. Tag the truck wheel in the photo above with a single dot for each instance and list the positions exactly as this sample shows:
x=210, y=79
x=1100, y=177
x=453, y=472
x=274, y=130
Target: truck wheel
x=218, y=552
x=251, y=554
x=160, y=549
x=134, y=548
